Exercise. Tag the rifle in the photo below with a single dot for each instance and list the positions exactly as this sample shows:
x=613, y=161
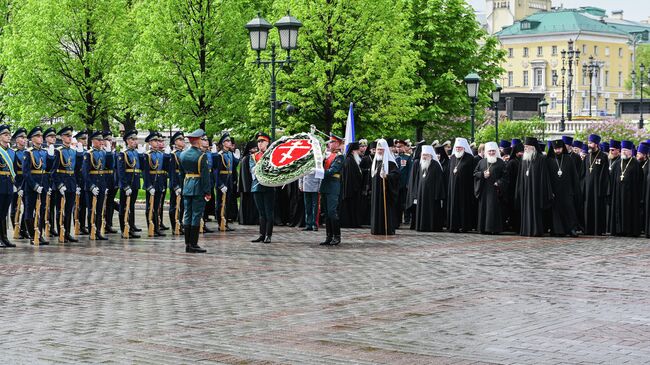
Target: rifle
x=93, y=227
x=47, y=216
x=177, y=230
x=37, y=230
x=222, y=224
x=151, y=208
x=77, y=228
x=17, y=222
x=103, y=229
x=201, y=226
x=125, y=234
x=61, y=220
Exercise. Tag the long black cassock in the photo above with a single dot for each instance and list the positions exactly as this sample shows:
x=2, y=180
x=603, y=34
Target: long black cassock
x=566, y=189
x=444, y=161
x=413, y=183
x=594, y=187
x=625, y=193
x=377, y=213
x=247, y=209
x=429, y=211
x=366, y=190
x=644, y=195
x=514, y=215
x=533, y=194
x=461, y=203
x=351, y=198
x=490, y=196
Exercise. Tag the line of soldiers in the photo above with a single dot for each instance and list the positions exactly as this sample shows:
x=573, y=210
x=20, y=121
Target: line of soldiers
x=56, y=181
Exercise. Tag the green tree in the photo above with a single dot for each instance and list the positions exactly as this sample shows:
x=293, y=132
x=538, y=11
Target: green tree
x=6, y=15
x=58, y=55
x=348, y=51
x=451, y=44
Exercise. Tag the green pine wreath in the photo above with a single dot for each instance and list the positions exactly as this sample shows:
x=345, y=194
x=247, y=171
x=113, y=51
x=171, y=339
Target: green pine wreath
x=269, y=175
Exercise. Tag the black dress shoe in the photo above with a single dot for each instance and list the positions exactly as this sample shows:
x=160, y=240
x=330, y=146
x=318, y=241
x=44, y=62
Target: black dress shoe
x=54, y=233
x=335, y=240
x=228, y=229
x=8, y=244
x=83, y=231
x=110, y=230
x=101, y=238
x=327, y=241
x=307, y=229
x=133, y=235
x=24, y=235
x=573, y=233
x=136, y=229
x=195, y=249
x=163, y=227
x=258, y=239
x=2, y=245
x=159, y=234
x=69, y=238
x=267, y=239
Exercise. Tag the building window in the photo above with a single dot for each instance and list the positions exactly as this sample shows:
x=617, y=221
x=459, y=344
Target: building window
x=553, y=103
x=525, y=51
x=620, y=52
x=554, y=51
x=595, y=50
x=554, y=78
x=606, y=104
x=585, y=78
x=606, y=51
x=539, y=51
x=606, y=78
x=584, y=49
x=511, y=80
x=525, y=78
x=511, y=53
x=585, y=106
x=538, y=82
x=620, y=79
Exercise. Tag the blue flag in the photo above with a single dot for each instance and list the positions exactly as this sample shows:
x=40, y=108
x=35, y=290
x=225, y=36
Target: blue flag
x=349, y=128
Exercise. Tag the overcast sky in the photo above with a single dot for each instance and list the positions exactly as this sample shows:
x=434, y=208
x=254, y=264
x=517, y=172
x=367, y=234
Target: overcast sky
x=632, y=9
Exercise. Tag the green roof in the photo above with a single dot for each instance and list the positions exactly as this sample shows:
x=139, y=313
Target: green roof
x=559, y=21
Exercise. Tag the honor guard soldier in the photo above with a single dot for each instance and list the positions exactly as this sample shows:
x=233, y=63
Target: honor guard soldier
x=7, y=179
x=17, y=216
x=166, y=151
x=330, y=189
x=154, y=183
x=36, y=186
x=111, y=180
x=82, y=220
x=196, y=189
x=176, y=183
x=94, y=169
x=264, y=196
x=224, y=166
x=128, y=164
x=209, y=156
x=50, y=140
x=65, y=184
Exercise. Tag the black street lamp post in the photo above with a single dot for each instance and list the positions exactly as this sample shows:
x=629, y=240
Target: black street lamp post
x=555, y=77
x=258, y=31
x=496, y=97
x=543, y=106
x=641, y=79
x=590, y=69
x=571, y=57
x=472, y=81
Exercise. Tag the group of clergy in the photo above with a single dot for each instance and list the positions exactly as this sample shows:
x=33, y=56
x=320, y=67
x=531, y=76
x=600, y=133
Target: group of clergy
x=562, y=188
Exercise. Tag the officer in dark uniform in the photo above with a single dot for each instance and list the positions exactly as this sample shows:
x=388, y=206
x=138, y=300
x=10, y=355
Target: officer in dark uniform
x=154, y=182
x=330, y=188
x=94, y=170
x=83, y=219
x=65, y=182
x=166, y=151
x=128, y=165
x=36, y=184
x=176, y=180
x=196, y=189
x=405, y=162
x=264, y=196
x=111, y=180
x=7, y=178
x=20, y=140
x=50, y=145
x=224, y=167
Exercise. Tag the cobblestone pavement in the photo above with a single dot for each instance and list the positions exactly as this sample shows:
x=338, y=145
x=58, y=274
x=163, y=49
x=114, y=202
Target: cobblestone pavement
x=410, y=299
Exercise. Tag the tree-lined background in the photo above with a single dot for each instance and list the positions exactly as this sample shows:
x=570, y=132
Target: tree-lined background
x=163, y=64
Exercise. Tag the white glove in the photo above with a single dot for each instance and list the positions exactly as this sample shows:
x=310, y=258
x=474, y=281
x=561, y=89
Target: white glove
x=62, y=189
x=78, y=191
x=106, y=191
x=95, y=191
x=39, y=189
x=80, y=147
x=20, y=193
x=152, y=191
x=237, y=153
x=73, y=141
x=141, y=149
x=168, y=150
x=214, y=148
x=15, y=189
x=128, y=191
x=107, y=148
x=178, y=191
x=224, y=189
x=415, y=201
x=382, y=174
x=49, y=191
x=50, y=150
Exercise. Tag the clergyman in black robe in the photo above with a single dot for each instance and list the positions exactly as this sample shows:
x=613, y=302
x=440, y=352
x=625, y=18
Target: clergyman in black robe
x=490, y=184
x=384, y=202
x=625, y=193
x=513, y=214
x=366, y=185
x=461, y=202
x=412, y=185
x=533, y=193
x=351, y=186
x=247, y=210
x=429, y=211
x=443, y=158
x=566, y=190
x=595, y=187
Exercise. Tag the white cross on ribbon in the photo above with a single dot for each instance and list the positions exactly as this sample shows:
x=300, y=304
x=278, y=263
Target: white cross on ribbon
x=295, y=145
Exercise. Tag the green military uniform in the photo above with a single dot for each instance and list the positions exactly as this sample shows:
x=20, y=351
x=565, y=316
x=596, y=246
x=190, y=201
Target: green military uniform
x=330, y=190
x=195, y=187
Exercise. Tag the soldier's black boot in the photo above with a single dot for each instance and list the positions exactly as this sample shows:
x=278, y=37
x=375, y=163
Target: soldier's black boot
x=4, y=239
x=67, y=222
x=24, y=234
x=262, y=231
x=328, y=229
x=188, y=239
x=336, y=232
x=30, y=230
x=269, y=231
x=195, y=248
